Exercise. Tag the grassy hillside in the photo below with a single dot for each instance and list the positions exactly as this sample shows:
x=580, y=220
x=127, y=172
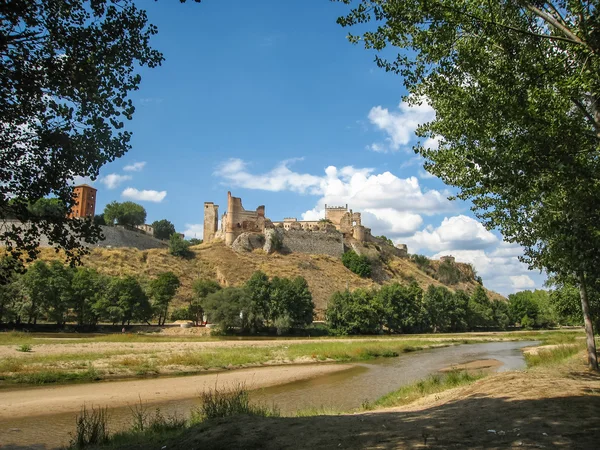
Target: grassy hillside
x=324, y=274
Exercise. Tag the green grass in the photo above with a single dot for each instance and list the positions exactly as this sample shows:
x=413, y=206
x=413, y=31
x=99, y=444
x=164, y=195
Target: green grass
x=433, y=384
x=552, y=356
x=52, y=376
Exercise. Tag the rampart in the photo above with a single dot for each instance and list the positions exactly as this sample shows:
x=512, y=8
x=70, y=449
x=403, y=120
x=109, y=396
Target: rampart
x=313, y=242
x=114, y=237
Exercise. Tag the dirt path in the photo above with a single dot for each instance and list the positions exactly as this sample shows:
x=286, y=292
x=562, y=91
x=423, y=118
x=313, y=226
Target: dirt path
x=61, y=399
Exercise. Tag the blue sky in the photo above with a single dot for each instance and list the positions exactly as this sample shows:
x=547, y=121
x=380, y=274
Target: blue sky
x=269, y=100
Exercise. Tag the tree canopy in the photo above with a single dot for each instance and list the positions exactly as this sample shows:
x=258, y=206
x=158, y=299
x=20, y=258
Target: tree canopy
x=163, y=229
x=66, y=72
x=128, y=214
x=516, y=93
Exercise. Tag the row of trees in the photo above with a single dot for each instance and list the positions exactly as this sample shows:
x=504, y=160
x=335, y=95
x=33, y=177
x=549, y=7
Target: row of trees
x=261, y=303
x=400, y=308
x=57, y=293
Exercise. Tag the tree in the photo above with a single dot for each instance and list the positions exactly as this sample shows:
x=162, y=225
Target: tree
x=128, y=214
x=87, y=286
x=124, y=301
x=356, y=312
x=99, y=220
x=194, y=241
x=258, y=287
x=359, y=264
x=437, y=302
x=10, y=291
x=522, y=305
x=480, y=312
x=201, y=289
x=516, y=92
x=179, y=246
x=401, y=306
x=163, y=229
x=162, y=291
x=228, y=308
x=291, y=299
x=48, y=208
x=67, y=69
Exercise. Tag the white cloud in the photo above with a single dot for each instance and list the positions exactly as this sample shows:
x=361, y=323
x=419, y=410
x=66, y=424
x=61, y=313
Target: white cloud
x=194, y=230
x=113, y=180
x=281, y=178
x=454, y=233
x=400, y=126
x=77, y=180
x=522, y=282
x=390, y=205
x=135, y=167
x=144, y=195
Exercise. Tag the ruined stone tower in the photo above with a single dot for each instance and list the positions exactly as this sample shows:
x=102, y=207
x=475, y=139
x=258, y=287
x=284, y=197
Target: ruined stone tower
x=211, y=220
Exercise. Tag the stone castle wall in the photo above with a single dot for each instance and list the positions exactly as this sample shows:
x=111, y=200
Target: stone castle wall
x=114, y=237
x=314, y=242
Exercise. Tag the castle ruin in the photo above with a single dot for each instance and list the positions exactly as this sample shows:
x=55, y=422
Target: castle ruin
x=245, y=228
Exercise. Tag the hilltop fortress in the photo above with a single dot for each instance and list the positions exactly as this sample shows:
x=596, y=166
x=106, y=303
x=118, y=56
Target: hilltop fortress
x=247, y=230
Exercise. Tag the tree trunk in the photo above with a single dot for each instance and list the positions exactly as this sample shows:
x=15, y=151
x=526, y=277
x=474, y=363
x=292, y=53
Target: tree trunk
x=587, y=320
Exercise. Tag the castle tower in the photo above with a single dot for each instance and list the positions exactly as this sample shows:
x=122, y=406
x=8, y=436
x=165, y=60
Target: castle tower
x=84, y=198
x=211, y=220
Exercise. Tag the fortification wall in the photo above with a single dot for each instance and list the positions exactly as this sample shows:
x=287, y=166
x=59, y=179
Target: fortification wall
x=313, y=242
x=114, y=237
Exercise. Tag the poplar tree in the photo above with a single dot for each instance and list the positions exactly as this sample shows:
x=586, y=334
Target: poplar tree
x=515, y=86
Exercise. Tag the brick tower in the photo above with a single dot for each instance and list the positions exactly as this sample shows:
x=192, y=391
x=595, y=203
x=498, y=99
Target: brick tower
x=84, y=197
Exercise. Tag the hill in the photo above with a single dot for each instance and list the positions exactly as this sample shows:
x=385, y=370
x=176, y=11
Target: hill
x=324, y=274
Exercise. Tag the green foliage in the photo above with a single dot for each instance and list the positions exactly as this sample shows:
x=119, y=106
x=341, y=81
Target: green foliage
x=48, y=208
x=283, y=302
x=178, y=246
x=194, y=241
x=68, y=72
x=201, y=288
x=448, y=273
x=128, y=214
x=522, y=308
x=422, y=262
x=481, y=313
x=162, y=290
x=276, y=242
x=123, y=302
x=401, y=306
x=437, y=304
x=217, y=403
x=25, y=348
x=385, y=239
x=359, y=264
x=163, y=229
x=99, y=220
x=518, y=128
x=356, y=312
x=91, y=427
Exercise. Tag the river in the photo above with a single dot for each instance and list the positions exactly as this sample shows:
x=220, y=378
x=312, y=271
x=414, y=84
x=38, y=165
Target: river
x=339, y=390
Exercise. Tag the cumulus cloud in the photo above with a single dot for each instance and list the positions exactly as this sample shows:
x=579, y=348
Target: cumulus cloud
x=522, y=282
x=280, y=178
x=454, y=233
x=113, y=180
x=144, y=195
x=390, y=205
x=135, y=167
x=77, y=180
x=400, y=125
x=194, y=230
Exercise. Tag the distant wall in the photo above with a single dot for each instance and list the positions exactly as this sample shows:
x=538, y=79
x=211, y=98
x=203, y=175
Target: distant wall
x=114, y=237
x=313, y=242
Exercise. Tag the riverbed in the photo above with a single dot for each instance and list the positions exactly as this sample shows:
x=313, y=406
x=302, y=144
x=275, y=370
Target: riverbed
x=333, y=386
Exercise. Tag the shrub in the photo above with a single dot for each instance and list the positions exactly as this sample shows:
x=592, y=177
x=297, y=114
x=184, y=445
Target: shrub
x=218, y=403
x=448, y=273
x=359, y=264
x=91, y=428
x=179, y=246
x=24, y=348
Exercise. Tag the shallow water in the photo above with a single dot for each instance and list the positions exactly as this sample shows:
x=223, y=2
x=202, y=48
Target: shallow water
x=341, y=390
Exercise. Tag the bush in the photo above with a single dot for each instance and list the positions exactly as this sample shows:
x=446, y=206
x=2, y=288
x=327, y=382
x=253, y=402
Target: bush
x=179, y=246
x=448, y=273
x=218, y=403
x=359, y=264
x=24, y=348
x=91, y=428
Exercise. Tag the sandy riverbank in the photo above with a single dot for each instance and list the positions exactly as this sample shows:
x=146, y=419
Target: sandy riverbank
x=61, y=399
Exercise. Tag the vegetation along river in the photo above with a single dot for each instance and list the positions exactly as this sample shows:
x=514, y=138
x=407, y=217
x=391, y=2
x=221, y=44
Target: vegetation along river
x=344, y=389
